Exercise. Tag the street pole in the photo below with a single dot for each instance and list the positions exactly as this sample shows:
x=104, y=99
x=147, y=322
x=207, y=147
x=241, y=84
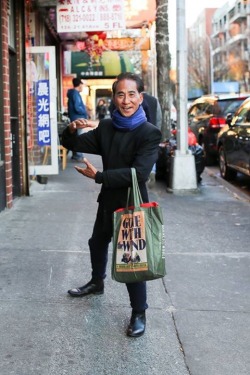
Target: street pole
x=183, y=172
x=211, y=64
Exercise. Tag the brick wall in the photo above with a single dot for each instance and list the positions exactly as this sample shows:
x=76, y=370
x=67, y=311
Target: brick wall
x=6, y=105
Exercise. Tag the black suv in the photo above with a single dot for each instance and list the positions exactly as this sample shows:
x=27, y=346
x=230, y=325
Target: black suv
x=206, y=117
x=233, y=143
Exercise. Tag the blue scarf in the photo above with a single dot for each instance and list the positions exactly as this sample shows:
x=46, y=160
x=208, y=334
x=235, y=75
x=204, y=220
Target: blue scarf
x=127, y=124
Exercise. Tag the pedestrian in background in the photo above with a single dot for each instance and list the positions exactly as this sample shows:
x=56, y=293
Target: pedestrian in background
x=101, y=109
x=76, y=109
x=125, y=141
x=153, y=112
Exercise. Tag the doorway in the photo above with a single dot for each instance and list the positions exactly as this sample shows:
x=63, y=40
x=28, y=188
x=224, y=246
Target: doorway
x=15, y=152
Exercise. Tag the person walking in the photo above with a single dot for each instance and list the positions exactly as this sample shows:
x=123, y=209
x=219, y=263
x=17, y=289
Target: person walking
x=76, y=109
x=101, y=109
x=126, y=140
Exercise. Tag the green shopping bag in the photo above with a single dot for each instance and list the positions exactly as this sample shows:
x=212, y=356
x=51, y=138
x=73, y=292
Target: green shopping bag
x=138, y=240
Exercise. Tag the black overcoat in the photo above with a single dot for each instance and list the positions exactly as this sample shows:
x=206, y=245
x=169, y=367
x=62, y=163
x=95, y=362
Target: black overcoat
x=119, y=152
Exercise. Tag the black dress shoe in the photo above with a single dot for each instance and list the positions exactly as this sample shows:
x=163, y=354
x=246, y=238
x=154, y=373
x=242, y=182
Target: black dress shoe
x=92, y=287
x=137, y=324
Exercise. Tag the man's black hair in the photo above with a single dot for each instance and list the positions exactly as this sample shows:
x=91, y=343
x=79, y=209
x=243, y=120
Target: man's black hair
x=76, y=82
x=132, y=77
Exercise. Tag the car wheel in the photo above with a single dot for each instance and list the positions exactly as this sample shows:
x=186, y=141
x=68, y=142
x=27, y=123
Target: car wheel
x=226, y=173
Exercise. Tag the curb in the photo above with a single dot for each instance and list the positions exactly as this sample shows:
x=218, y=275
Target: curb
x=236, y=192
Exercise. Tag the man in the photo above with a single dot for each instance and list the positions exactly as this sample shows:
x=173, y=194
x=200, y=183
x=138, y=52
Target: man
x=125, y=141
x=76, y=109
x=151, y=108
x=153, y=113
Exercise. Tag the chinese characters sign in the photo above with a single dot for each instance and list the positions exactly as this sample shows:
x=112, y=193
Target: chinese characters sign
x=43, y=113
x=127, y=44
x=90, y=15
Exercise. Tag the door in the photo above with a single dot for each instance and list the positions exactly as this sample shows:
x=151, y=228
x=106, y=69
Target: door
x=15, y=152
x=238, y=141
x=41, y=111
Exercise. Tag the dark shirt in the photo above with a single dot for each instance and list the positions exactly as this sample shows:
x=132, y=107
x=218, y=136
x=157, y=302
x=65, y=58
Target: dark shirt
x=120, y=151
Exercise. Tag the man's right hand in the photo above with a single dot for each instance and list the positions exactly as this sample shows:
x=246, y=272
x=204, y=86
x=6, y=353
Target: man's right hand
x=81, y=124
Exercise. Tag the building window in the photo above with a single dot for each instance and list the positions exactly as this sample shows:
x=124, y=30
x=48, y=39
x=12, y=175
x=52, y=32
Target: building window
x=11, y=24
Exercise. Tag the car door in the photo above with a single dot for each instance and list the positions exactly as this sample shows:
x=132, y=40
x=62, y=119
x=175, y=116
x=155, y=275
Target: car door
x=243, y=159
x=237, y=144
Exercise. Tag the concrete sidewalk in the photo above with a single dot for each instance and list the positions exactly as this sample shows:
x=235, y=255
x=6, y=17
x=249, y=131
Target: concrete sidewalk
x=199, y=314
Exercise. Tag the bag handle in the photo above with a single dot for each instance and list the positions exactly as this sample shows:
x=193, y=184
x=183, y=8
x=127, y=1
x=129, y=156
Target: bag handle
x=136, y=194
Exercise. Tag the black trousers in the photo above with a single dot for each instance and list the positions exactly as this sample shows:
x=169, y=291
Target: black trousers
x=98, y=245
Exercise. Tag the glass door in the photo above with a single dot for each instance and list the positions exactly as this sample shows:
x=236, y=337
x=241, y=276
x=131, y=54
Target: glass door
x=41, y=111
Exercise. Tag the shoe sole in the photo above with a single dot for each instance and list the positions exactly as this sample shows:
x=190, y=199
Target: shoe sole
x=135, y=335
x=85, y=294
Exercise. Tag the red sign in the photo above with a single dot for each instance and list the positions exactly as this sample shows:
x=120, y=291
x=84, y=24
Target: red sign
x=127, y=44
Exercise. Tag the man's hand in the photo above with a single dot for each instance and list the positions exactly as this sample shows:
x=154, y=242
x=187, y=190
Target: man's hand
x=89, y=171
x=81, y=124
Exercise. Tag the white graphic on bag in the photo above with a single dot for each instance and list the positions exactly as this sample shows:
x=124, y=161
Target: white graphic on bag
x=131, y=252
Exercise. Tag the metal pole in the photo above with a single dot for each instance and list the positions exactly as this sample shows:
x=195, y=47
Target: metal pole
x=182, y=140
x=211, y=64
x=183, y=173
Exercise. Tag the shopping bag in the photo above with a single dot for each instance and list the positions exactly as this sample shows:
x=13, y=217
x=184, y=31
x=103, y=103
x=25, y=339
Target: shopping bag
x=138, y=240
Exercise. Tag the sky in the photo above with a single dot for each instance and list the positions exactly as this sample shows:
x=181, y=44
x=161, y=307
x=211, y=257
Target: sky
x=192, y=9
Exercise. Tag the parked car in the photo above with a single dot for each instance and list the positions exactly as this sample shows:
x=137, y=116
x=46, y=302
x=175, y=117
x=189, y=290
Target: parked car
x=207, y=116
x=233, y=143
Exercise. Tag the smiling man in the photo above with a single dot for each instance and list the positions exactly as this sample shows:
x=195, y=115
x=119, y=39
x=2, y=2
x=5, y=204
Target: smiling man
x=125, y=141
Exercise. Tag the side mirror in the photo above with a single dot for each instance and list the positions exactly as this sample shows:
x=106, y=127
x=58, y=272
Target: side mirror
x=229, y=118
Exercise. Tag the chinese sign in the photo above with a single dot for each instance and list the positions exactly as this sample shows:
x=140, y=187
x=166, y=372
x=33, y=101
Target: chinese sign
x=126, y=44
x=90, y=15
x=43, y=113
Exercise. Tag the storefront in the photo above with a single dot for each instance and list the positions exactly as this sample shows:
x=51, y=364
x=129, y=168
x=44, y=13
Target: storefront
x=12, y=124
x=37, y=64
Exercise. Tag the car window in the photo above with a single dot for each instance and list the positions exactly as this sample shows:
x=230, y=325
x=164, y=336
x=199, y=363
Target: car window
x=243, y=117
x=209, y=109
x=232, y=106
x=218, y=108
x=198, y=109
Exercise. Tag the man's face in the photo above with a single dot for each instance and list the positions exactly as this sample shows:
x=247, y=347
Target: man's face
x=80, y=87
x=127, y=98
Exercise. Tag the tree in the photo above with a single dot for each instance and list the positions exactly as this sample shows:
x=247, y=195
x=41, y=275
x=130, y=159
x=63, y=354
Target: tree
x=164, y=85
x=198, y=64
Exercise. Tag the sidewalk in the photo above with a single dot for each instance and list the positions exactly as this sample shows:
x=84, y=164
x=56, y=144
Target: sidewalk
x=199, y=315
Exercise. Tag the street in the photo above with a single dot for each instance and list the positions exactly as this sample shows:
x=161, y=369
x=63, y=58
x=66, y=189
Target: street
x=199, y=314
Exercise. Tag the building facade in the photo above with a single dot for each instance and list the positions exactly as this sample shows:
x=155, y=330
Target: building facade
x=231, y=44
x=219, y=50
x=35, y=76
x=22, y=26
x=12, y=122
